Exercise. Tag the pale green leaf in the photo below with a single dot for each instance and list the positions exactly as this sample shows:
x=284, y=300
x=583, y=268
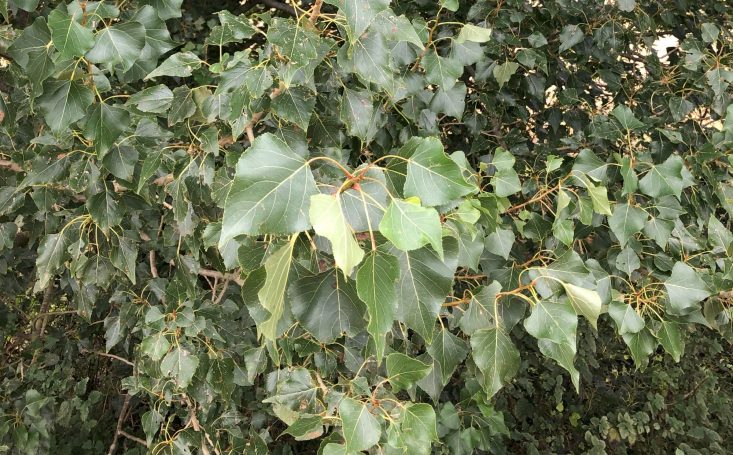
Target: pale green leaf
x=328, y=221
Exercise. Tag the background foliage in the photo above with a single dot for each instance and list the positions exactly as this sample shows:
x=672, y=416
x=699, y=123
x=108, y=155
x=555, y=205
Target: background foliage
x=346, y=226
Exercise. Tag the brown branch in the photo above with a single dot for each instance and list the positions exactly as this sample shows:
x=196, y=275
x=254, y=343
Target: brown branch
x=133, y=438
x=153, y=266
x=315, y=11
x=120, y=420
x=9, y=165
x=39, y=325
x=112, y=356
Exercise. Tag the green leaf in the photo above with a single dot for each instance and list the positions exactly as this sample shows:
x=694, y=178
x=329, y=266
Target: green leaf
x=585, y=301
x=431, y=175
x=362, y=118
x=626, y=118
x=183, y=105
x=327, y=306
x=626, y=221
x=272, y=293
x=403, y=371
x=32, y=40
x=375, y=284
x=553, y=320
x=328, y=221
x=626, y=318
x=685, y=290
x=482, y=310
x=104, y=210
x=500, y=242
x=306, y=428
x=425, y=280
x=295, y=105
x=709, y=32
x=450, y=101
x=670, y=338
x=496, y=357
x=441, y=71
x=505, y=180
x=166, y=9
x=64, y=102
x=360, y=14
x=449, y=351
x=104, y=125
x=232, y=29
x=570, y=36
x=361, y=429
x=51, y=256
x=155, y=346
x=418, y=428
x=409, y=226
x=641, y=345
x=120, y=44
x=180, y=64
x=270, y=193
x=627, y=261
x=502, y=73
x=180, y=364
x=659, y=230
x=156, y=100
x=664, y=179
x=70, y=38
x=470, y=32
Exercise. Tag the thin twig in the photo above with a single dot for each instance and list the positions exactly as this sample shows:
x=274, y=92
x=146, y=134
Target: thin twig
x=9, y=165
x=315, y=11
x=153, y=266
x=120, y=420
x=133, y=438
x=218, y=298
x=112, y=356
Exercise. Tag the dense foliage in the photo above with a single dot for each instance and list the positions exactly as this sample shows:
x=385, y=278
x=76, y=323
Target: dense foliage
x=361, y=225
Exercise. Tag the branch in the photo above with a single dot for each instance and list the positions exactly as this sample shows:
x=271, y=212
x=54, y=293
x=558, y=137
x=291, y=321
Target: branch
x=133, y=438
x=112, y=356
x=120, y=420
x=9, y=165
x=315, y=11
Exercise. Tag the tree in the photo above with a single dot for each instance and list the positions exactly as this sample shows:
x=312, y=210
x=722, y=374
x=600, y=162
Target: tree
x=334, y=225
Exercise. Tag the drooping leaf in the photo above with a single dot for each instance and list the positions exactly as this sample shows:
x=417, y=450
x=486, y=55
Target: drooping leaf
x=496, y=356
x=329, y=221
x=449, y=351
x=272, y=293
x=626, y=318
x=585, y=301
x=376, y=286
